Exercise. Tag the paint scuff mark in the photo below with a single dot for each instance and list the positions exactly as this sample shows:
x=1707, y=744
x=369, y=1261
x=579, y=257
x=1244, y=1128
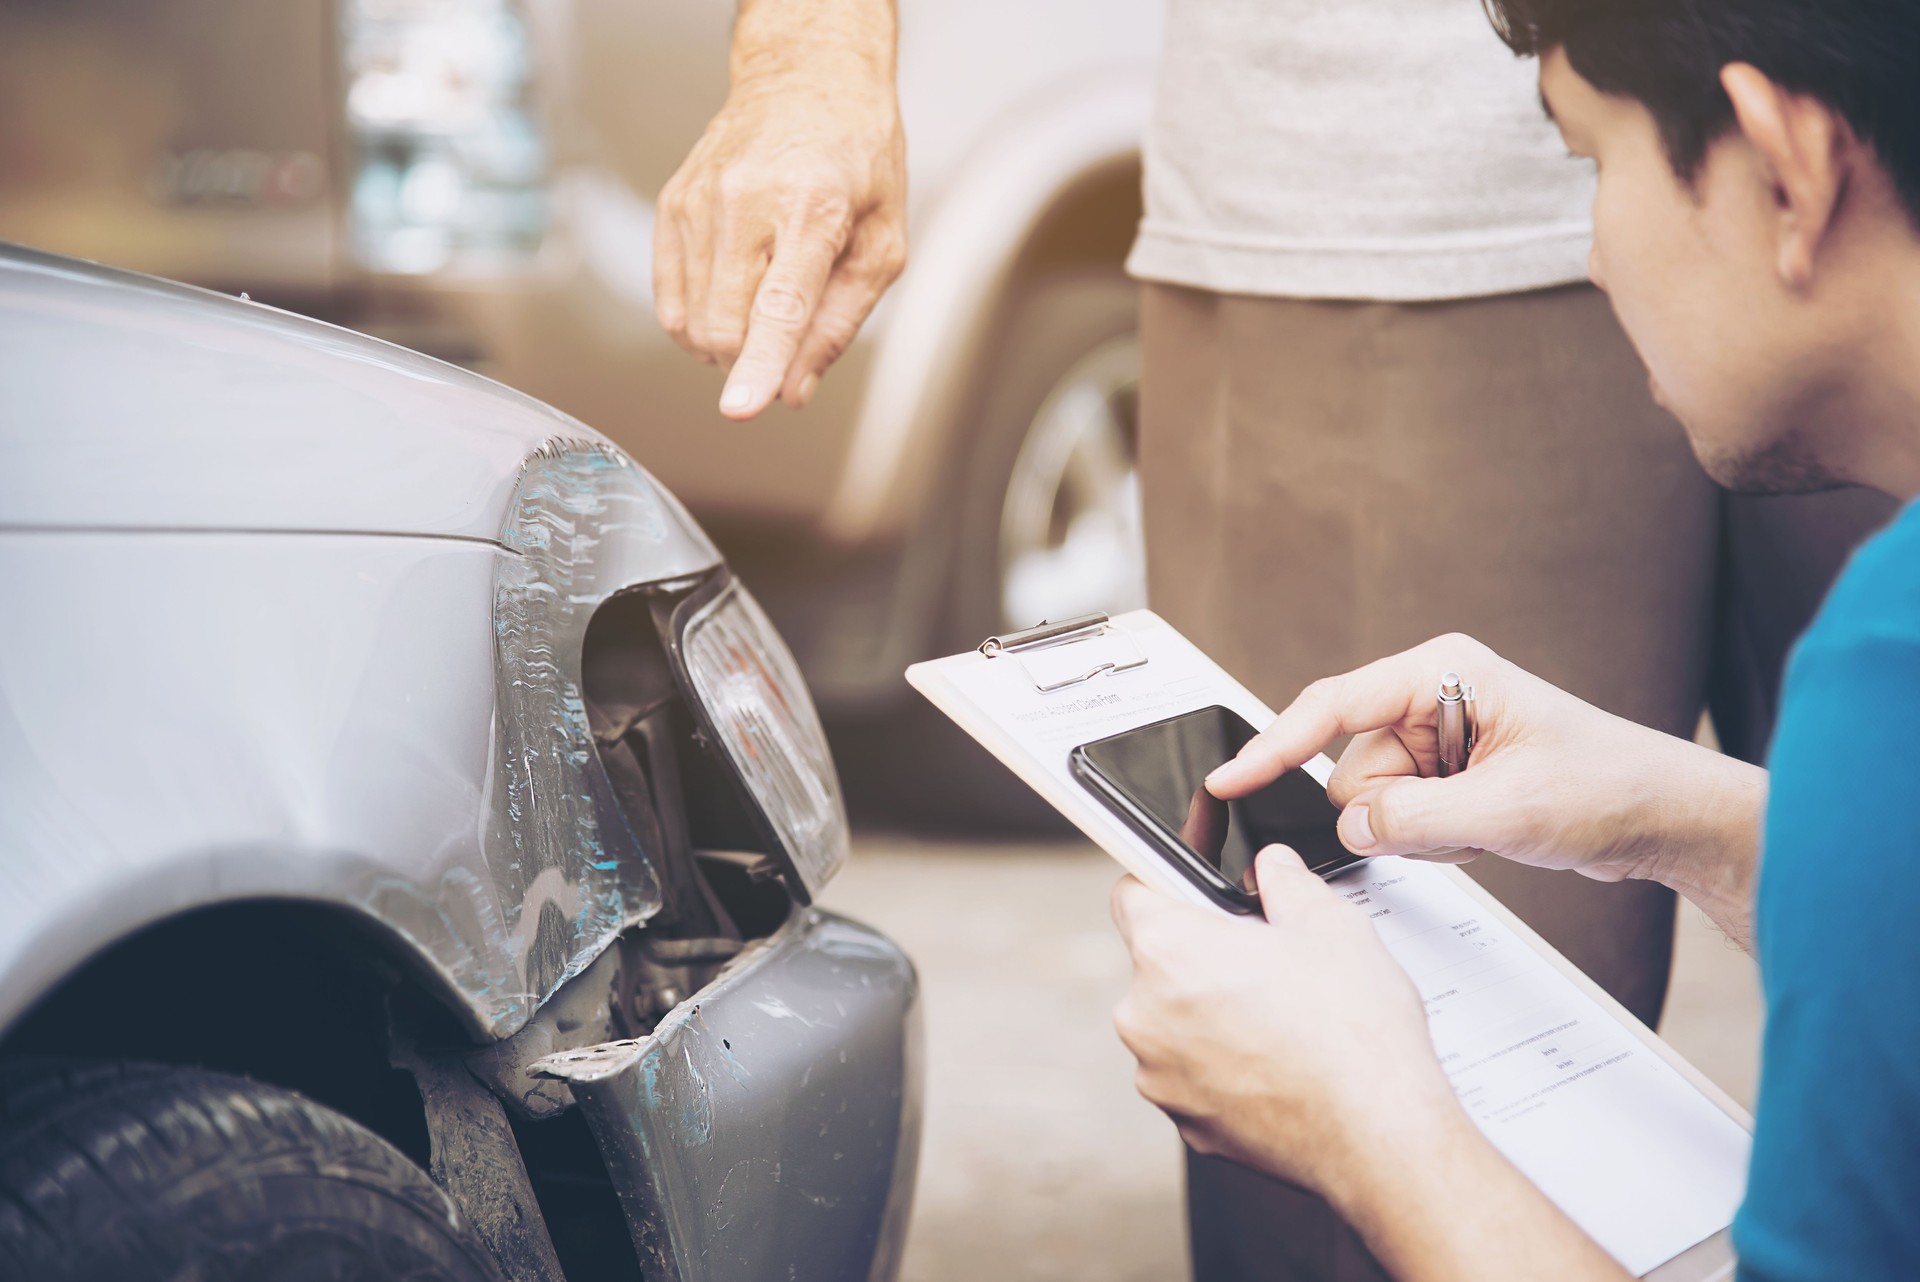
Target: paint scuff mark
x=778, y=1009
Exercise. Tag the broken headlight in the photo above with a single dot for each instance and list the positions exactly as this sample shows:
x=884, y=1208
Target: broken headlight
x=758, y=709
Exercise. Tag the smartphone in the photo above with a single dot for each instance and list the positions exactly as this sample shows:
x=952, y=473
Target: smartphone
x=1154, y=778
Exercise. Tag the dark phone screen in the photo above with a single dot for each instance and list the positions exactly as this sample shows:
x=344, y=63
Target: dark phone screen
x=1162, y=769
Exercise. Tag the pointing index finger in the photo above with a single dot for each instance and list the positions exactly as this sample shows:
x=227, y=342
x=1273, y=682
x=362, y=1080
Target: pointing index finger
x=1384, y=693
x=783, y=305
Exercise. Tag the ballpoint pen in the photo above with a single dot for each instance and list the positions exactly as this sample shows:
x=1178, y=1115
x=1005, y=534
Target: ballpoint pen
x=1456, y=724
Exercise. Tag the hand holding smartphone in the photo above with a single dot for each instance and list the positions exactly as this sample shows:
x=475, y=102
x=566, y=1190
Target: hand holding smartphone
x=1154, y=779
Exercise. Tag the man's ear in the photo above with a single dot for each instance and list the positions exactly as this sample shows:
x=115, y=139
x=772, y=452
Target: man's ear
x=1802, y=143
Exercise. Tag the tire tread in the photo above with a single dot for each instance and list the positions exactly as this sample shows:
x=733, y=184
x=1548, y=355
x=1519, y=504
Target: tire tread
x=87, y=1148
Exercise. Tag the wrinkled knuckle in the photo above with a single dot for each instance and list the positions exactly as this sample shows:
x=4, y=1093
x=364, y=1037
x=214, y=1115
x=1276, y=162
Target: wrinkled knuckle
x=720, y=347
x=886, y=258
x=781, y=304
x=832, y=336
x=739, y=185
x=890, y=256
x=835, y=340
x=821, y=202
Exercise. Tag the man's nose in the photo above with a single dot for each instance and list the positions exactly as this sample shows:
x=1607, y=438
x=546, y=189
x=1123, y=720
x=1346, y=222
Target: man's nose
x=1594, y=274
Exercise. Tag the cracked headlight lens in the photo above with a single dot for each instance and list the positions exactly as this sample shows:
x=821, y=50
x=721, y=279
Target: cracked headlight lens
x=750, y=686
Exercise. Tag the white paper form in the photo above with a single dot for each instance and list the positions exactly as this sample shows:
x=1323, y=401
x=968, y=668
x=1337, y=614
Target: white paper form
x=1611, y=1131
x=1634, y=1155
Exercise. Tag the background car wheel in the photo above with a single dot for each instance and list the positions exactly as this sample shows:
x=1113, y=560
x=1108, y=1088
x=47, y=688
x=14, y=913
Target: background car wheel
x=1047, y=525
x=131, y=1172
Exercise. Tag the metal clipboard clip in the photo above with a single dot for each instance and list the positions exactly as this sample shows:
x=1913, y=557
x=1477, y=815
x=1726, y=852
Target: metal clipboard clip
x=1057, y=655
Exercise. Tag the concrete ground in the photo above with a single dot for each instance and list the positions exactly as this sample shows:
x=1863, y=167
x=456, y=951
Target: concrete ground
x=1039, y=1161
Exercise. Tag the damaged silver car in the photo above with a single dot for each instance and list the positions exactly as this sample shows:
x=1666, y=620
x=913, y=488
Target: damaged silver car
x=408, y=836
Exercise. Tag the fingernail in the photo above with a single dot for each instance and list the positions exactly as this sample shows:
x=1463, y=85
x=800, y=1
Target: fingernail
x=736, y=398
x=1357, y=828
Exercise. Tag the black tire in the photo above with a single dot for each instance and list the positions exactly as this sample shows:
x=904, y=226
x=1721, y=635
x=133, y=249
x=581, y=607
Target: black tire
x=144, y=1173
x=911, y=766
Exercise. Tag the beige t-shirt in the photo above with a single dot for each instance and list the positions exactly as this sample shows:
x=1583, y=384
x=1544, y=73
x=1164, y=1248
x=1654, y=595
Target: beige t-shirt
x=1384, y=149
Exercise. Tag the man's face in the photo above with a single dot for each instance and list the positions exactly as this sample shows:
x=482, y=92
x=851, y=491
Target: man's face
x=1692, y=275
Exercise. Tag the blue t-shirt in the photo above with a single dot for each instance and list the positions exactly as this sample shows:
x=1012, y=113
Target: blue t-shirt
x=1835, y=1184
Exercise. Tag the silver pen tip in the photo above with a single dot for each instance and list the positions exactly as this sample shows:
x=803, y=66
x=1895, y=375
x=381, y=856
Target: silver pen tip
x=1450, y=685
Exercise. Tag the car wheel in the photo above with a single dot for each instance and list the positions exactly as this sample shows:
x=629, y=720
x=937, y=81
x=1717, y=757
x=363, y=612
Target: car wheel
x=1047, y=526
x=1069, y=511
x=131, y=1172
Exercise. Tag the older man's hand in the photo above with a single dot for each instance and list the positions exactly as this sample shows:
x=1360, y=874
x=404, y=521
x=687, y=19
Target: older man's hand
x=788, y=220
x=1294, y=1045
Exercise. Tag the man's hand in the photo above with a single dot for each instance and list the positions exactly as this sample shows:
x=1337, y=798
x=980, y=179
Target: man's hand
x=1294, y=1045
x=788, y=220
x=1553, y=781
x=1298, y=1046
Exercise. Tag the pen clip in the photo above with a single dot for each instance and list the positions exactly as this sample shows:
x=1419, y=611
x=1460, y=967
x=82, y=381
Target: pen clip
x=1455, y=727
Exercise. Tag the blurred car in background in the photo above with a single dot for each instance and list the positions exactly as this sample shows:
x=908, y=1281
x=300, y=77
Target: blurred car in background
x=360, y=720
x=474, y=179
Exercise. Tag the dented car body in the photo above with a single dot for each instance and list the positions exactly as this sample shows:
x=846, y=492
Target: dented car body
x=377, y=641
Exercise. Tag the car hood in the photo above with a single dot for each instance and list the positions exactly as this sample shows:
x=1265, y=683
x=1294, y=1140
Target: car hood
x=130, y=403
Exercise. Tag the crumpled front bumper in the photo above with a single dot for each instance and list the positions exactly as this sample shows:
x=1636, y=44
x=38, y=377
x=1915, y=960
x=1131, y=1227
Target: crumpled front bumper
x=769, y=1126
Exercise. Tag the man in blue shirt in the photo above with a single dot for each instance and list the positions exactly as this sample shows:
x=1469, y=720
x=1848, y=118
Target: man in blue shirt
x=1757, y=226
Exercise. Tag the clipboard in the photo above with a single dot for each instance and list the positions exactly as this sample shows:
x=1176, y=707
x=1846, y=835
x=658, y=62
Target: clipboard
x=1030, y=696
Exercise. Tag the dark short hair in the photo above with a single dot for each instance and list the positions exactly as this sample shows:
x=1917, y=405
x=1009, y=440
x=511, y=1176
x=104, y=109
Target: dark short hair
x=1860, y=57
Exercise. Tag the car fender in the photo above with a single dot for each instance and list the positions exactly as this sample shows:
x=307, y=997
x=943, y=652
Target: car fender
x=389, y=725
x=294, y=613
x=963, y=256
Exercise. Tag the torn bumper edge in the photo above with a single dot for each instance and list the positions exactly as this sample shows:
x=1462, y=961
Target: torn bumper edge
x=769, y=1126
